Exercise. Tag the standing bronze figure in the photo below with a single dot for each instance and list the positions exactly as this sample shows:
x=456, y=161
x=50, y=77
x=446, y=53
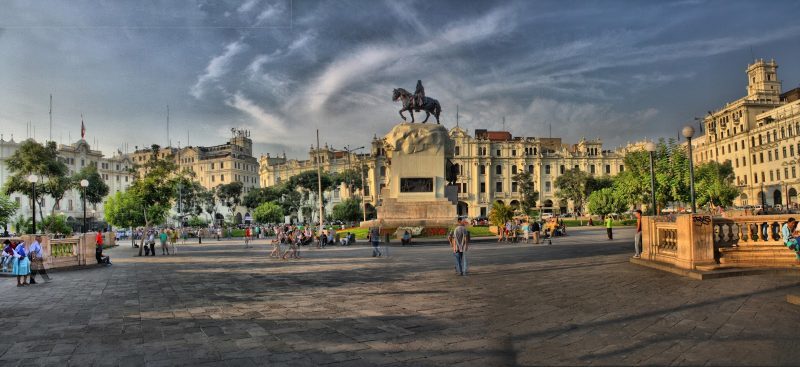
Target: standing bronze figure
x=417, y=102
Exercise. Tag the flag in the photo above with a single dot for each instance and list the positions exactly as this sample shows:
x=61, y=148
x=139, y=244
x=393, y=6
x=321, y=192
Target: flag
x=83, y=128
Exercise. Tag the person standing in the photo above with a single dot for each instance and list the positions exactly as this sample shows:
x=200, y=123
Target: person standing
x=637, y=239
x=375, y=239
x=152, y=241
x=21, y=265
x=37, y=260
x=459, y=239
x=609, y=223
x=247, y=234
x=163, y=238
x=535, y=228
x=173, y=240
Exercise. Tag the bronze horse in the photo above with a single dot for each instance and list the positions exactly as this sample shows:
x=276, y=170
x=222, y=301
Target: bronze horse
x=429, y=105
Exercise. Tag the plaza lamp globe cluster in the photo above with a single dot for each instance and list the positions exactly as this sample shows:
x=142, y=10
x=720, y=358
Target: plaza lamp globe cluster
x=688, y=133
x=650, y=147
x=84, y=185
x=33, y=178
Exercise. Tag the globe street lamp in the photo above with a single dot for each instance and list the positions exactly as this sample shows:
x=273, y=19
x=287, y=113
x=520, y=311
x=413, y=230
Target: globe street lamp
x=688, y=132
x=84, y=185
x=32, y=179
x=651, y=148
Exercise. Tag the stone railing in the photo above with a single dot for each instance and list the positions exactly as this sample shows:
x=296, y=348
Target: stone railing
x=701, y=240
x=748, y=230
x=685, y=242
x=65, y=252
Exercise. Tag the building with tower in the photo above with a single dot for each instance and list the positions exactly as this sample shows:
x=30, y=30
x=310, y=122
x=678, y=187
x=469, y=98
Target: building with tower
x=759, y=134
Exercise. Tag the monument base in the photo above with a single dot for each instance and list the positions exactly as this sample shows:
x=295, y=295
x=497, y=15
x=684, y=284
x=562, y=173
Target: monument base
x=429, y=213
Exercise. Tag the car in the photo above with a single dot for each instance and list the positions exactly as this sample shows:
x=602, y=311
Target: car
x=547, y=215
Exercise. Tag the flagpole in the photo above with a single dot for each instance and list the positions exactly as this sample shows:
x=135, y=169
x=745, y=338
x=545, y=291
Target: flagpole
x=319, y=188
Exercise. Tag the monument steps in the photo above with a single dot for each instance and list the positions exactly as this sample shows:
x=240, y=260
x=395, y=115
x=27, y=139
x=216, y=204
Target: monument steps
x=757, y=255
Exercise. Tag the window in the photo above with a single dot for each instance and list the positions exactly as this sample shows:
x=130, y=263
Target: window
x=791, y=150
x=794, y=173
x=737, y=162
x=69, y=205
x=530, y=168
x=547, y=186
x=761, y=157
x=608, y=169
x=222, y=178
x=769, y=155
x=762, y=176
x=212, y=178
x=498, y=186
x=591, y=169
x=221, y=165
x=514, y=169
x=482, y=169
x=483, y=187
x=561, y=169
x=784, y=152
x=745, y=179
x=513, y=152
x=771, y=176
x=498, y=152
x=212, y=165
x=498, y=169
x=464, y=187
x=458, y=150
x=514, y=186
x=755, y=178
x=547, y=169
x=383, y=171
x=621, y=168
x=785, y=173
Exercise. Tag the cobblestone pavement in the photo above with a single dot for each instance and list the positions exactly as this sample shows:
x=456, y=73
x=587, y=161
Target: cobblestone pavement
x=575, y=302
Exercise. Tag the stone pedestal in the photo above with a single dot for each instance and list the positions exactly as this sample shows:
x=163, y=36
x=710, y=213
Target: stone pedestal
x=416, y=193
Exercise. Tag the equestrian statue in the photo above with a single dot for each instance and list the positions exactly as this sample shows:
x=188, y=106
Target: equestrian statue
x=417, y=102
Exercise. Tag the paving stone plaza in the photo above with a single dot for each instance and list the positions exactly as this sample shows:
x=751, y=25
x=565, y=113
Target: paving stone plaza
x=575, y=302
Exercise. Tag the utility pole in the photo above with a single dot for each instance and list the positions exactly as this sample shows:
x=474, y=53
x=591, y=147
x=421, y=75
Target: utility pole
x=319, y=188
x=51, y=117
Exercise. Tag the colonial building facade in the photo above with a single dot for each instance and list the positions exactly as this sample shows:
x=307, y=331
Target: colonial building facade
x=214, y=165
x=486, y=164
x=759, y=134
x=114, y=170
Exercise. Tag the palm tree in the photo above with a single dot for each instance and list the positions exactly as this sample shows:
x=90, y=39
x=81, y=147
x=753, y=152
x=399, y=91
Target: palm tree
x=499, y=215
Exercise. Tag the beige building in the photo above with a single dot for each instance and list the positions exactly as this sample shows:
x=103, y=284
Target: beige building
x=214, y=165
x=760, y=135
x=114, y=171
x=486, y=161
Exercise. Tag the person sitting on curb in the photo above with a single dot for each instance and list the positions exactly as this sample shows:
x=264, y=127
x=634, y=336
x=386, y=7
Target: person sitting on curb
x=406, y=240
x=98, y=254
x=789, y=236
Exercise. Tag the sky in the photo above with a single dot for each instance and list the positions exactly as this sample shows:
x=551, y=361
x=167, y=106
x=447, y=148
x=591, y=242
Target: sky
x=616, y=70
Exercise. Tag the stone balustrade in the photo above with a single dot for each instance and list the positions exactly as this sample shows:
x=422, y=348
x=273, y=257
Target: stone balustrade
x=65, y=252
x=689, y=241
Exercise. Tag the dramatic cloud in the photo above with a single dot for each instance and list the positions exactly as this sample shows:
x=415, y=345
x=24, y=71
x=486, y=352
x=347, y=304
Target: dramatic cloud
x=620, y=71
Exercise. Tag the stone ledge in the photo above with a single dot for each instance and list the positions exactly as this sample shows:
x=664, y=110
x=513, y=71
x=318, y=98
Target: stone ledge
x=714, y=272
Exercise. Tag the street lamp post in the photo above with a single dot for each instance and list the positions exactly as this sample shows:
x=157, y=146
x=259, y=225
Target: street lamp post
x=32, y=179
x=84, y=185
x=688, y=133
x=651, y=148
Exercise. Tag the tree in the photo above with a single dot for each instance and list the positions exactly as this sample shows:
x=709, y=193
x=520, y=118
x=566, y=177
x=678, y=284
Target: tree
x=597, y=183
x=56, y=224
x=351, y=177
x=268, y=213
x=97, y=189
x=348, y=210
x=153, y=189
x=57, y=187
x=188, y=194
x=527, y=189
x=500, y=214
x=572, y=186
x=606, y=201
x=7, y=209
x=22, y=224
x=230, y=195
x=257, y=196
x=307, y=183
x=714, y=184
x=34, y=158
x=208, y=202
